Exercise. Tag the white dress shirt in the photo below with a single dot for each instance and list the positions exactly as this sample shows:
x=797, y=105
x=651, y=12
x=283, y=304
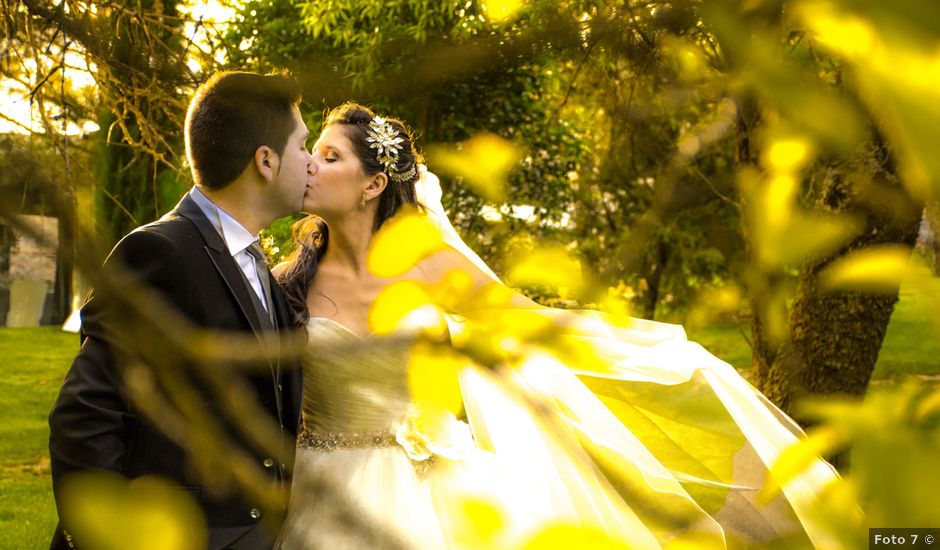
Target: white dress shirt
x=237, y=239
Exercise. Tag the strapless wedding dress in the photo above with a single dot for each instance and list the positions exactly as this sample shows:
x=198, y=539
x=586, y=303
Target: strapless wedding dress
x=667, y=445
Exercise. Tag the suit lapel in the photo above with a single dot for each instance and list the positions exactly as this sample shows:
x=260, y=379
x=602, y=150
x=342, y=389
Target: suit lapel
x=223, y=262
x=292, y=375
x=243, y=294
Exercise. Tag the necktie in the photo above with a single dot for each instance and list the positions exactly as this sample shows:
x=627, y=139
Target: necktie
x=261, y=264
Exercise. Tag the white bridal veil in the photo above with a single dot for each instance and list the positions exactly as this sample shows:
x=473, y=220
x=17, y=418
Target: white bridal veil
x=669, y=429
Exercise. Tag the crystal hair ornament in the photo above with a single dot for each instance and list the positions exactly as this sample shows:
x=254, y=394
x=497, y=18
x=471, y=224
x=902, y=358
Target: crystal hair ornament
x=386, y=140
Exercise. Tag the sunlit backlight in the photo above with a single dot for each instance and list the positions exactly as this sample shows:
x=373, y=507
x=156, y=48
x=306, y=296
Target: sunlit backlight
x=210, y=11
x=205, y=15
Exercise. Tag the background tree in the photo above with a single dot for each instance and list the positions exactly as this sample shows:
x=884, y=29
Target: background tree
x=447, y=72
x=138, y=56
x=647, y=133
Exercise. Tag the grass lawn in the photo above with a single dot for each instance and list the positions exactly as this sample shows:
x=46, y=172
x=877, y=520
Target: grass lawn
x=35, y=360
x=33, y=366
x=911, y=346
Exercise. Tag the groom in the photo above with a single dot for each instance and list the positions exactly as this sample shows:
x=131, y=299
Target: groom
x=246, y=144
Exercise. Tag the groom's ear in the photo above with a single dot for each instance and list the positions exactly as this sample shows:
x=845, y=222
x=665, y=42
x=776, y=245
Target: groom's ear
x=266, y=162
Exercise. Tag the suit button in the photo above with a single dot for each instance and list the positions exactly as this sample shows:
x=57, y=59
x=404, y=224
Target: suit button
x=268, y=463
x=255, y=513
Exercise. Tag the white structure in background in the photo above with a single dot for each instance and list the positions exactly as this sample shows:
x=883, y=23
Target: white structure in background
x=74, y=321
x=32, y=268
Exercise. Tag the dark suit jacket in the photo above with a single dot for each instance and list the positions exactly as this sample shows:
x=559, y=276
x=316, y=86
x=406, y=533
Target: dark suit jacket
x=94, y=427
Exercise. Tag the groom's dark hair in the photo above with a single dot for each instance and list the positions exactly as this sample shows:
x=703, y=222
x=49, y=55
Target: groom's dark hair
x=233, y=114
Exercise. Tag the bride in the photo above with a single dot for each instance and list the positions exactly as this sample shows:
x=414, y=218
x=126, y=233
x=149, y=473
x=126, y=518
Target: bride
x=653, y=442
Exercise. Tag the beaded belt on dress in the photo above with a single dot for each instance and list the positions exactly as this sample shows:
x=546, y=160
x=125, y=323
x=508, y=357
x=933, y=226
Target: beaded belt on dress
x=333, y=441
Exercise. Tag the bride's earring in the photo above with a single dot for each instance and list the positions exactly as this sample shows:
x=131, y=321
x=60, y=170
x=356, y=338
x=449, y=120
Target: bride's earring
x=362, y=202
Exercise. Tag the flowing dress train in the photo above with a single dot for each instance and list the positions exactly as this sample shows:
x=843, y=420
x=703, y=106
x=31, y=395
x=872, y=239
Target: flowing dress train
x=654, y=443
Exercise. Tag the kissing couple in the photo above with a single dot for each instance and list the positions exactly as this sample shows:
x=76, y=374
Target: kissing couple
x=647, y=441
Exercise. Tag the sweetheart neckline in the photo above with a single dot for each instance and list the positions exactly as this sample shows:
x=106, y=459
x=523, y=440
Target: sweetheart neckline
x=340, y=325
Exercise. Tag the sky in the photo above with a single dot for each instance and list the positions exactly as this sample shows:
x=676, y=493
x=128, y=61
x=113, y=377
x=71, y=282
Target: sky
x=14, y=96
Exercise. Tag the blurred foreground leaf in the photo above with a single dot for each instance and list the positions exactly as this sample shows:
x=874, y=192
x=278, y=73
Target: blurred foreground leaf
x=432, y=376
x=479, y=523
x=872, y=269
x=501, y=11
x=824, y=441
x=483, y=161
x=896, y=67
x=400, y=303
x=712, y=303
x=402, y=243
x=784, y=234
x=894, y=441
x=565, y=537
x=107, y=512
x=550, y=266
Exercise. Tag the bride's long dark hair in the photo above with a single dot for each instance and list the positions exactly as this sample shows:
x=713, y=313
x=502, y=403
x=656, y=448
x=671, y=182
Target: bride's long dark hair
x=312, y=234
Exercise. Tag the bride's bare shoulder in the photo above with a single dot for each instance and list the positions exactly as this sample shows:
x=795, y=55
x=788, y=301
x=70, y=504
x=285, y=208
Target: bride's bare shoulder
x=438, y=264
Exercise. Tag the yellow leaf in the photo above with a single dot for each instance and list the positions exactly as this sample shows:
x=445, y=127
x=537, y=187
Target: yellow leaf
x=564, y=537
x=846, y=34
x=617, y=308
x=402, y=242
x=797, y=458
x=495, y=295
x=804, y=236
x=787, y=155
x=547, y=266
x=930, y=406
x=404, y=303
x=872, y=269
x=107, y=512
x=898, y=76
x=432, y=376
x=500, y=11
x=689, y=59
x=779, y=200
x=713, y=302
x=775, y=314
x=478, y=523
x=455, y=291
x=483, y=161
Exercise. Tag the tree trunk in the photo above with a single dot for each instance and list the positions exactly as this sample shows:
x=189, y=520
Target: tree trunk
x=659, y=257
x=932, y=246
x=835, y=337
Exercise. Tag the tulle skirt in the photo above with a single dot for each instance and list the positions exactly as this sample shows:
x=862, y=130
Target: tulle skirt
x=660, y=444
